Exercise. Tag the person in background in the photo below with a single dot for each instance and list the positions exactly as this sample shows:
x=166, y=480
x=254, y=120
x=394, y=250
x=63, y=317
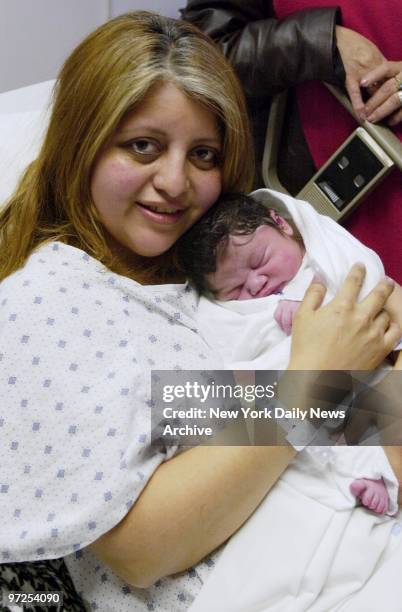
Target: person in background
x=295, y=44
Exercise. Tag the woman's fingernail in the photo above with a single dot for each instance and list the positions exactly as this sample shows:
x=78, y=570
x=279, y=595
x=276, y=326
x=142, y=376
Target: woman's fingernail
x=372, y=118
x=318, y=279
x=363, y=82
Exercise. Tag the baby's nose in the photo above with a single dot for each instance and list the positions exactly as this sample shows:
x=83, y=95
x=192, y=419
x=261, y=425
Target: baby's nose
x=255, y=283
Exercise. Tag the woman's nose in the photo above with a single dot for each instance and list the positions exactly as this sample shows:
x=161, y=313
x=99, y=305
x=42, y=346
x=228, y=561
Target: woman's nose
x=171, y=175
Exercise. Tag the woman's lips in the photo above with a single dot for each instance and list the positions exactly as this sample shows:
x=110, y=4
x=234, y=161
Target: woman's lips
x=157, y=216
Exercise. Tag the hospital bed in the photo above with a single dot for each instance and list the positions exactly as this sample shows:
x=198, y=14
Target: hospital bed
x=350, y=174
x=23, y=119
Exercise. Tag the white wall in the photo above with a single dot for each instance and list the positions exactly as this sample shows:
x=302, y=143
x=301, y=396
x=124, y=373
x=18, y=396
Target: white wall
x=170, y=8
x=37, y=35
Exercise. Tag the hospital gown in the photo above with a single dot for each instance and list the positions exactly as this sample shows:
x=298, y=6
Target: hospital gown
x=78, y=344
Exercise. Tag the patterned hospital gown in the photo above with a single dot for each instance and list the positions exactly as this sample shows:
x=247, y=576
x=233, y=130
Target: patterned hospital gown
x=78, y=344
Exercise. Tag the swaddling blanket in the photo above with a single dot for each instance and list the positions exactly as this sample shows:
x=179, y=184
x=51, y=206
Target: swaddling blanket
x=307, y=547
x=296, y=554
x=244, y=331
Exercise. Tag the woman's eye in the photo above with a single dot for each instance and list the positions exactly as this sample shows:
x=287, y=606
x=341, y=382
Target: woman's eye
x=205, y=158
x=142, y=146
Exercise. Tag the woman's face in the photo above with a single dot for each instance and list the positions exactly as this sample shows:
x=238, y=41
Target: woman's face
x=159, y=173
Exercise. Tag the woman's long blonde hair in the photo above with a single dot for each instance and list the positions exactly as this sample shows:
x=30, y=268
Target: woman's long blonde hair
x=106, y=76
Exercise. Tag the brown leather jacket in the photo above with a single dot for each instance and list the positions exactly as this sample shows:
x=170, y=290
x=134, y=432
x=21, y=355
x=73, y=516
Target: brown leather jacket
x=271, y=55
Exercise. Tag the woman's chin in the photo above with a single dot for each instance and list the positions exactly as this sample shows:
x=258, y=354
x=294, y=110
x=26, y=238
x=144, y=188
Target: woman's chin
x=149, y=250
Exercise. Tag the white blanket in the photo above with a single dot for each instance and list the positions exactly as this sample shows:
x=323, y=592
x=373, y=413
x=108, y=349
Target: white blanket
x=296, y=554
x=307, y=547
x=244, y=332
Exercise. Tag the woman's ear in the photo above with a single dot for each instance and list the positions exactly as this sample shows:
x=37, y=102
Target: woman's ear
x=282, y=224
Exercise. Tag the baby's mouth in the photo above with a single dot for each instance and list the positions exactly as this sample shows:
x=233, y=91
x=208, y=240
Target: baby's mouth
x=273, y=290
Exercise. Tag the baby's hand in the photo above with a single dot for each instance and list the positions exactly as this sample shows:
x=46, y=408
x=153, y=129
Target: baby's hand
x=372, y=493
x=284, y=313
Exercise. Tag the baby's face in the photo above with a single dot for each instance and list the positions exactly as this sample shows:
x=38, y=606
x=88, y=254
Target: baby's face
x=256, y=265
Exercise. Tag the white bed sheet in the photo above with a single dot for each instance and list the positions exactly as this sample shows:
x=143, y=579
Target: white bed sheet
x=32, y=98
x=23, y=119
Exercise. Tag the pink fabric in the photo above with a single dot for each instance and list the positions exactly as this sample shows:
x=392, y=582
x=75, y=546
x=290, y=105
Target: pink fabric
x=378, y=221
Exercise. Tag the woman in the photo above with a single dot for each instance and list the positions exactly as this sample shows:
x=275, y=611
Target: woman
x=143, y=138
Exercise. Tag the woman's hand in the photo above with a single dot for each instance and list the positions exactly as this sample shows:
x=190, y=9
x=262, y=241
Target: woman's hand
x=398, y=361
x=394, y=455
x=344, y=334
x=386, y=82
x=359, y=56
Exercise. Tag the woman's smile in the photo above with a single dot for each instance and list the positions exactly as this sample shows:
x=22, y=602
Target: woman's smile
x=161, y=214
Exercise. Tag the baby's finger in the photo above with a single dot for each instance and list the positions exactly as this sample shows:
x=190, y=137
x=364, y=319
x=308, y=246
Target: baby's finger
x=367, y=497
x=287, y=323
x=374, y=501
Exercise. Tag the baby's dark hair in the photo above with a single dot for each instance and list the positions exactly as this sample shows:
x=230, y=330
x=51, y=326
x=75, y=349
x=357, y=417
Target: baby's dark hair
x=233, y=214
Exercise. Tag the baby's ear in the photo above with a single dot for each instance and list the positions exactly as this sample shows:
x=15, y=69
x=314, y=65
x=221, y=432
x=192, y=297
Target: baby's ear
x=282, y=224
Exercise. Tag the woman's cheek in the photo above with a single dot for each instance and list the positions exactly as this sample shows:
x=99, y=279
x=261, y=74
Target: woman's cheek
x=212, y=190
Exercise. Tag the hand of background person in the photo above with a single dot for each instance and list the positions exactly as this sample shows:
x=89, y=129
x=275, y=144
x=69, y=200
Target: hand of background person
x=359, y=56
x=384, y=101
x=344, y=334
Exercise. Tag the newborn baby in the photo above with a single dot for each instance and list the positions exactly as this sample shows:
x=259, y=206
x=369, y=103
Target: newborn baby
x=248, y=261
x=245, y=250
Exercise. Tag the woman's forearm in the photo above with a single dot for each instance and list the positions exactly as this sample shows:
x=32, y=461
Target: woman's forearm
x=192, y=504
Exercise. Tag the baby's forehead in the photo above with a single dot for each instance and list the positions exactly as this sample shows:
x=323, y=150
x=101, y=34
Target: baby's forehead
x=228, y=247
x=240, y=239
x=237, y=239
x=233, y=252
